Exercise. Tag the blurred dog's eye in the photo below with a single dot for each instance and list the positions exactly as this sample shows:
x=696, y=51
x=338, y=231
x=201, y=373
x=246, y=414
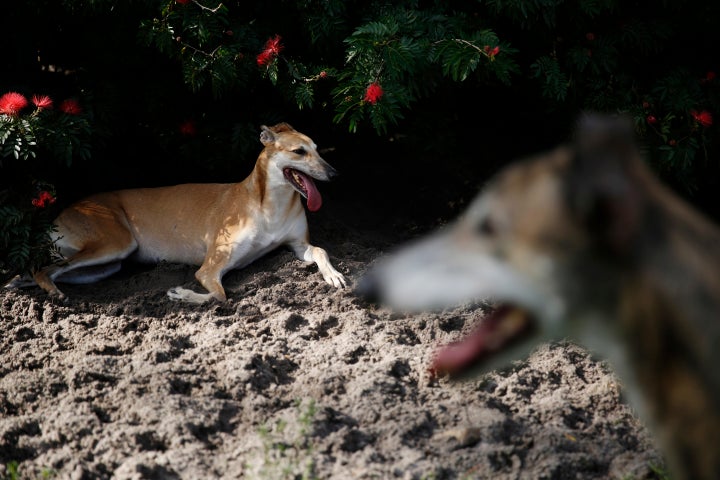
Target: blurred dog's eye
x=486, y=227
x=299, y=151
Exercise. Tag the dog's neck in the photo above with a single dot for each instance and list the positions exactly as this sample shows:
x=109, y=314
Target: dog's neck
x=665, y=299
x=268, y=184
x=680, y=254
x=674, y=297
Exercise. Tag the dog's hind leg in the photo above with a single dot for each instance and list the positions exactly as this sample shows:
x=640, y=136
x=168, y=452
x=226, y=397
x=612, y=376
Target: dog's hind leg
x=93, y=261
x=20, y=281
x=79, y=275
x=93, y=236
x=89, y=274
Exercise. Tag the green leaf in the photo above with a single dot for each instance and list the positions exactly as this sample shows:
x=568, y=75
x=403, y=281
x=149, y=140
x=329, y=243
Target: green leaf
x=304, y=95
x=555, y=82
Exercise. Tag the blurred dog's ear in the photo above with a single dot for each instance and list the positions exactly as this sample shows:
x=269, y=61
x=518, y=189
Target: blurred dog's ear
x=603, y=193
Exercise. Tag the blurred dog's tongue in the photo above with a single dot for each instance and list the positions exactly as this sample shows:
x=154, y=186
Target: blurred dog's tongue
x=314, y=200
x=500, y=328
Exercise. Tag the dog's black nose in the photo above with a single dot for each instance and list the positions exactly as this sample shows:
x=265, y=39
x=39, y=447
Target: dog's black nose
x=331, y=172
x=368, y=287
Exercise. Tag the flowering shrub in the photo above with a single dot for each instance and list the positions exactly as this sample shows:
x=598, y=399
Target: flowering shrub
x=627, y=59
x=33, y=134
x=25, y=221
x=64, y=134
x=427, y=71
x=377, y=60
x=388, y=64
x=672, y=126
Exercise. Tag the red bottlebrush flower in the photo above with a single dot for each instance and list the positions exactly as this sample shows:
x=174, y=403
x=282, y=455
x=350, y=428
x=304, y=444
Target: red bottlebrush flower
x=264, y=58
x=188, y=128
x=182, y=2
x=651, y=119
x=323, y=74
x=709, y=77
x=590, y=36
x=672, y=142
x=42, y=102
x=12, y=102
x=491, y=52
x=373, y=93
x=272, y=49
x=704, y=118
x=273, y=45
x=646, y=105
x=70, y=106
x=43, y=199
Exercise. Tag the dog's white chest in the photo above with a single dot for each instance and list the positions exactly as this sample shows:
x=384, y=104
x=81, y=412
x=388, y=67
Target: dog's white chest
x=254, y=241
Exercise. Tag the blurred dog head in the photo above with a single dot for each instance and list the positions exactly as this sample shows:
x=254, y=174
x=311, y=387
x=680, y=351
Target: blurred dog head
x=549, y=236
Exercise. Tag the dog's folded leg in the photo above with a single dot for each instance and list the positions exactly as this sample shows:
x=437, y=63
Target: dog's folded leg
x=311, y=253
x=210, y=276
x=20, y=281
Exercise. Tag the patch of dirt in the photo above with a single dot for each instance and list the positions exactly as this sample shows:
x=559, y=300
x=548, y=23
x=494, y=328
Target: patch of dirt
x=290, y=376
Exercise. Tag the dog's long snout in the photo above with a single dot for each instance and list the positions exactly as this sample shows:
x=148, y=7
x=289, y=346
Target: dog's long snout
x=330, y=171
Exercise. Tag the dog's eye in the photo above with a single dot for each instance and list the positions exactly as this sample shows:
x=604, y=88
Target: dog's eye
x=486, y=227
x=299, y=151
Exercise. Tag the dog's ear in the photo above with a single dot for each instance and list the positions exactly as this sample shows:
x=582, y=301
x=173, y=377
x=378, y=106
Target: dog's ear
x=267, y=136
x=603, y=191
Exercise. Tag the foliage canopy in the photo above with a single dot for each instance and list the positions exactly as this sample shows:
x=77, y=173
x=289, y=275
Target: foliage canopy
x=183, y=83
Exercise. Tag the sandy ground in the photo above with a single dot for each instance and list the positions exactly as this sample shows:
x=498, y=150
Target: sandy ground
x=290, y=379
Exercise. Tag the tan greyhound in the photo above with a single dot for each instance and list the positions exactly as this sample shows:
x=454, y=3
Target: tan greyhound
x=585, y=242
x=216, y=226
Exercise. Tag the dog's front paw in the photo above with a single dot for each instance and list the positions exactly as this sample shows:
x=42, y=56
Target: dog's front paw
x=335, y=278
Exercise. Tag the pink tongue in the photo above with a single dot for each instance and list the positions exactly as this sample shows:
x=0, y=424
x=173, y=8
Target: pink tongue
x=314, y=200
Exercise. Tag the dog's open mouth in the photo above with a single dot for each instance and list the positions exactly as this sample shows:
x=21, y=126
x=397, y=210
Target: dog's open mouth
x=504, y=326
x=306, y=186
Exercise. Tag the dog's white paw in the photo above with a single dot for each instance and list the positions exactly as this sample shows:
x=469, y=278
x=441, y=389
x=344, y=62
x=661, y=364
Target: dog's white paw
x=335, y=278
x=177, y=293
x=186, y=295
